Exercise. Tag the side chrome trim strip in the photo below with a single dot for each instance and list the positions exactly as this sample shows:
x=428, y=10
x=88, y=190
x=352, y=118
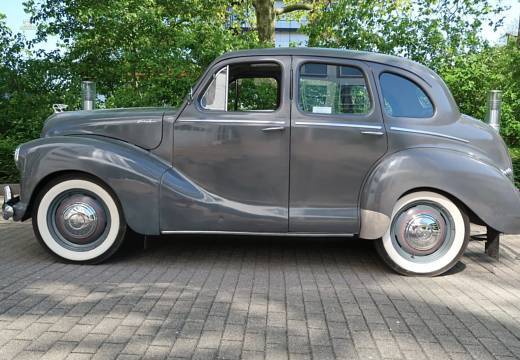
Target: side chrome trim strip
x=339, y=124
x=431, y=133
x=253, y=233
x=228, y=121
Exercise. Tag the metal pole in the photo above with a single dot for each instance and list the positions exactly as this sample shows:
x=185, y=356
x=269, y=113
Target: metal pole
x=88, y=95
x=493, y=109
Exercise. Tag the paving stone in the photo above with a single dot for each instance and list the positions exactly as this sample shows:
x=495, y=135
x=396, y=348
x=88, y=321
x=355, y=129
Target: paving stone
x=210, y=339
x=256, y=299
x=59, y=350
x=183, y=348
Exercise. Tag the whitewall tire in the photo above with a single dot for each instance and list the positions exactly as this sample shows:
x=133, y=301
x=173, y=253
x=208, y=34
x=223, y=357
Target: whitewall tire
x=428, y=234
x=78, y=219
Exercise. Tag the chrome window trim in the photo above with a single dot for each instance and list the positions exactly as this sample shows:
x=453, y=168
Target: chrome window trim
x=431, y=133
x=168, y=232
x=230, y=121
x=209, y=85
x=339, y=124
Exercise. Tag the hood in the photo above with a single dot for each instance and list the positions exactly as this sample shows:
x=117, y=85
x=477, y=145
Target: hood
x=485, y=142
x=139, y=126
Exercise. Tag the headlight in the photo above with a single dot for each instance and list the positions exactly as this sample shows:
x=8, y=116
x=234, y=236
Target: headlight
x=17, y=154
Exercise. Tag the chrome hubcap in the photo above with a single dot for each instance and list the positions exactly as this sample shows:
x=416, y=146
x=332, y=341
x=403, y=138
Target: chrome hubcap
x=421, y=229
x=80, y=219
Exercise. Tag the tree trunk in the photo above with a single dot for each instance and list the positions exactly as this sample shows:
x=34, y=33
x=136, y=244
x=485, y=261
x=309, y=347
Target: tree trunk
x=265, y=21
x=266, y=17
x=518, y=33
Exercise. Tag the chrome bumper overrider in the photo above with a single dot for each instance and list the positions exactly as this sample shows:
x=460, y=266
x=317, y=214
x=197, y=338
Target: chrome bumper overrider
x=8, y=205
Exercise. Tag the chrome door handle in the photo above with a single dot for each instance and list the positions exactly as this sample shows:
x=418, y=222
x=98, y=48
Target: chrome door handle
x=274, y=128
x=375, y=133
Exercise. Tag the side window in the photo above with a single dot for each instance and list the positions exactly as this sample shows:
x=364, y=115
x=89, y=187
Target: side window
x=332, y=89
x=253, y=94
x=404, y=98
x=244, y=87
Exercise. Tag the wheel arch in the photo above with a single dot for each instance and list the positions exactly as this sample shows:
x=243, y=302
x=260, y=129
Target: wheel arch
x=63, y=174
x=474, y=218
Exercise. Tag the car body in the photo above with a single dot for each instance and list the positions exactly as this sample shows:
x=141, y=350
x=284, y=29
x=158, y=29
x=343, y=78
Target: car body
x=295, y=141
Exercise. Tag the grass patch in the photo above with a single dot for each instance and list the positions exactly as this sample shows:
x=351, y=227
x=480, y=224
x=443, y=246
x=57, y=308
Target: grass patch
x=515, y=155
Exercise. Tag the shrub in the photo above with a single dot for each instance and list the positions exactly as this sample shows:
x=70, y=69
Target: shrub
x=515, y=155
x=8, y=170
x=472, y=76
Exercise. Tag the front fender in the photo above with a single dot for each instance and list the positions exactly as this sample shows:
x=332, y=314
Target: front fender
x=132, y=173
x=481, y=187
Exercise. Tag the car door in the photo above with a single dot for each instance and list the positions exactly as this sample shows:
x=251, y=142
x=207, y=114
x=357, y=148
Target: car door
x=337, y=135
x=231, y=144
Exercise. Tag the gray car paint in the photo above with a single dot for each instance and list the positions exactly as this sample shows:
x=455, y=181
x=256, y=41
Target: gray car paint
x=480, y=186
x=327, y=166
x=239, y=171
x=141, y=127
x=132, y=173
x=196, y=184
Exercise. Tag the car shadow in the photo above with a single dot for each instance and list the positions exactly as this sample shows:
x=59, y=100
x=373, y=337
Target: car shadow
x=348, y=250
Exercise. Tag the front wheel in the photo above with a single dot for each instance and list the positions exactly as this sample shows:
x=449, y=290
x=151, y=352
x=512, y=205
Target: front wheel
x=428, y=234
x=78, y=219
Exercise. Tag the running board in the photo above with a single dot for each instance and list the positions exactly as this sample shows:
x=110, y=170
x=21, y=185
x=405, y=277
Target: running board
x=196, y=232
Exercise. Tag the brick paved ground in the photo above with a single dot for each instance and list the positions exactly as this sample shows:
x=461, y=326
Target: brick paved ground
x=264, y=298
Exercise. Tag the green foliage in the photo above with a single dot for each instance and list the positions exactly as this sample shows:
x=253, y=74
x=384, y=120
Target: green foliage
x=428, y=31
x=28, y=87
x=140, y=52
x=470, y=77
x=253, y=94
x=515, y=155
x=8, y=170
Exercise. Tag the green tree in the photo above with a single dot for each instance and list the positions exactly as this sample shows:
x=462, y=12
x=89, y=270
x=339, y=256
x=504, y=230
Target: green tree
x=432, y=32
x=29, y=85
x=470, y=77
x=141, y=52
x=266, y=14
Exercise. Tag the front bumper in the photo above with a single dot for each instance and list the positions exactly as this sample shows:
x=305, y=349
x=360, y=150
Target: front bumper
x=9, y=205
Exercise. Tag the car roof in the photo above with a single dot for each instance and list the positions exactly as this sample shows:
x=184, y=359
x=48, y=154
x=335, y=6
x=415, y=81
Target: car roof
x=390, y=60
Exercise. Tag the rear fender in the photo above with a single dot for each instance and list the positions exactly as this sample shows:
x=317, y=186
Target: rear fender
x=481, y=187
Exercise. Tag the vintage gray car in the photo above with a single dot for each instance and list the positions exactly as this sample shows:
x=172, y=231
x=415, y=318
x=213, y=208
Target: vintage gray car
x=310, y=142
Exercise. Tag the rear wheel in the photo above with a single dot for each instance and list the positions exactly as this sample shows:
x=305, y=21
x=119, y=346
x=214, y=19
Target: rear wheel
x=78, y=219
x=427, y=236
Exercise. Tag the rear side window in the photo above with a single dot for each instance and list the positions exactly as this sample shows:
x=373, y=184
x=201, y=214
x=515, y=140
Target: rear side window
x=404, y=98
x=332, y=89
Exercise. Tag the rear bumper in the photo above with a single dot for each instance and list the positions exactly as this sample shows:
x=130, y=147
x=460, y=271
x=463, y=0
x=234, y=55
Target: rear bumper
x=11, y=207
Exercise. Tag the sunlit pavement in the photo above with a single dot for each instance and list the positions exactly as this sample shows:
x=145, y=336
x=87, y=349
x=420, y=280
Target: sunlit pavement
x=237, y=297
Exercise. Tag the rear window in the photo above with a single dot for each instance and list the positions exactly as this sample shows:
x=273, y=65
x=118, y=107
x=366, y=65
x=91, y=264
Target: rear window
x=404, y=98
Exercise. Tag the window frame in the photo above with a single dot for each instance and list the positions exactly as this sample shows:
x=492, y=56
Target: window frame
x=338, y=62
x=206, y=89
x=427, y=93
x=219, y=67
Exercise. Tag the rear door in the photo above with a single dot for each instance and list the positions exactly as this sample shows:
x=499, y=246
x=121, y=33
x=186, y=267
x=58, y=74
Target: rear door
x=337, y=135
